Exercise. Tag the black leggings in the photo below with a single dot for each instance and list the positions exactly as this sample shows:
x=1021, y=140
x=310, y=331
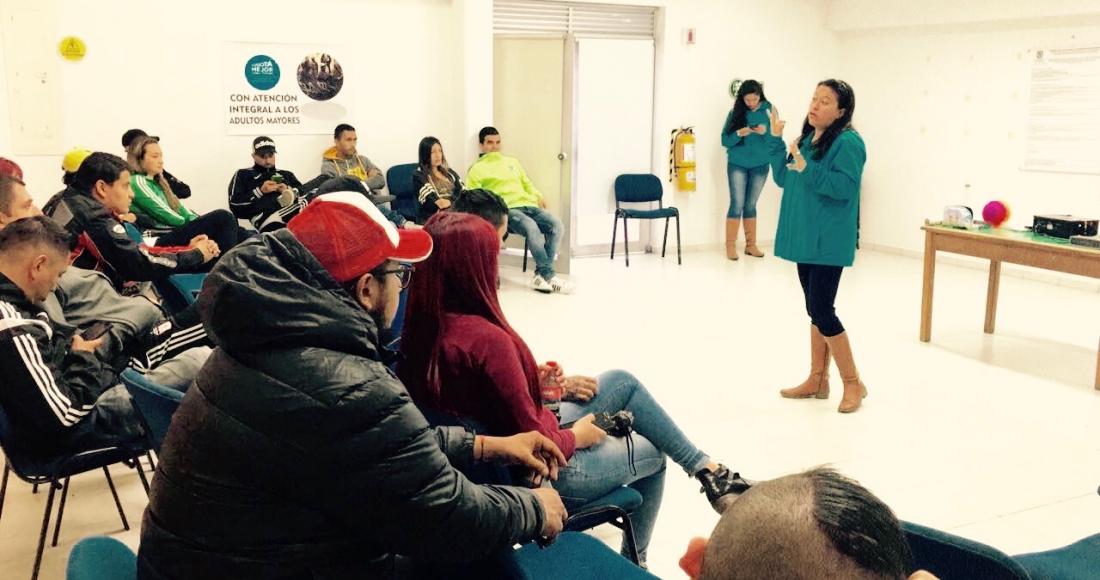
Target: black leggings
x=819, y=285
x=218, y=225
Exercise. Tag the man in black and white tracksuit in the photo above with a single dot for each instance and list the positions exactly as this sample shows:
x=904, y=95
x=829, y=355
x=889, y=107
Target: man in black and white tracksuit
x=58, y=396
x=137, y=329
x=265, y=196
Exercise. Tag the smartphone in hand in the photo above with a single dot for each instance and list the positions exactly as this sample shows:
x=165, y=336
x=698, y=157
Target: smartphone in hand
x=95, y=331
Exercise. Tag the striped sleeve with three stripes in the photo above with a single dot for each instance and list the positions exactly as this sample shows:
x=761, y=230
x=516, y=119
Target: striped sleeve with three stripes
x=39, y=374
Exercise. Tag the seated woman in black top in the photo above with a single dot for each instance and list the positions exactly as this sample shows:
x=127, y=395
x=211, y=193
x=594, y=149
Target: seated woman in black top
x=434, y=181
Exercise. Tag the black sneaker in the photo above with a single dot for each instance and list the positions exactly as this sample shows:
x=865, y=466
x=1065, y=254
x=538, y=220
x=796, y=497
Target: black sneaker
x=722, y=487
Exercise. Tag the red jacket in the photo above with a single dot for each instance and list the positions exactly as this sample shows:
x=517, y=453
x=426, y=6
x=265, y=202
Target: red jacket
x=482, y=379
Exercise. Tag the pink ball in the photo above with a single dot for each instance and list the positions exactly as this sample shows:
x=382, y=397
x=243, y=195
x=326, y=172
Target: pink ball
x=995, y=213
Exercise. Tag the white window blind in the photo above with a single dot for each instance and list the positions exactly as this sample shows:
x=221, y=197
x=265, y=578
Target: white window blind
x=520, y=17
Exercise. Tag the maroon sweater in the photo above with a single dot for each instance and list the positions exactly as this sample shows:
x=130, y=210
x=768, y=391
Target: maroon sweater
x=482, y=378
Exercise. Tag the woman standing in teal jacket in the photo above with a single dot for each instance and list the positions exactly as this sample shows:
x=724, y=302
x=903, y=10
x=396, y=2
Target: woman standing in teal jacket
x=820, y=178
x=745, y=138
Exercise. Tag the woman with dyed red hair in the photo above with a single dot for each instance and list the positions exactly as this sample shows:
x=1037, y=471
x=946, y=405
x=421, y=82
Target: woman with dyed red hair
x=462, y=357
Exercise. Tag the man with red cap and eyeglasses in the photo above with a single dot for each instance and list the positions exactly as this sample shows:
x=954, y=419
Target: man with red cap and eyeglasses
x=297, y=453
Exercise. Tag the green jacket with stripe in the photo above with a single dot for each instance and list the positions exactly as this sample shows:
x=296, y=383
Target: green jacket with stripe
x=151, y=205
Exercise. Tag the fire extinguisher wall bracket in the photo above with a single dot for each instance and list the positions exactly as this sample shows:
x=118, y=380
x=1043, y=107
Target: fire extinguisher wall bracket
x=681, y=159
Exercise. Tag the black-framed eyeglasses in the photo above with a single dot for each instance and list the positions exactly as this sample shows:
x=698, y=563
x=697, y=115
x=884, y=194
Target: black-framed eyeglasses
x=404, y=273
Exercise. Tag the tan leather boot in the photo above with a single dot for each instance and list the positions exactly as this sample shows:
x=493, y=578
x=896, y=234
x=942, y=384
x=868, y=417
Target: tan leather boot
x=854, y=389
x=750, y=239
x=732, y=225
x=817, y=384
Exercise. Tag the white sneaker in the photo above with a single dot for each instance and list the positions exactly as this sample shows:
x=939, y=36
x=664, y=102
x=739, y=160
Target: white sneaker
x=541, y=285
x=560, y=286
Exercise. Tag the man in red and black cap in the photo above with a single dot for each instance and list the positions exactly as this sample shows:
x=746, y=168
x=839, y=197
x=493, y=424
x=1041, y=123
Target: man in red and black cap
x=297, y=453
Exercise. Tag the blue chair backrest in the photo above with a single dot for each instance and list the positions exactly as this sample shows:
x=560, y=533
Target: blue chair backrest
x=179, y=291
x=133, y=232
x=155, y=403
x=1080, y=559
x=948, y=556
x=576, y=556
x=399, y=182
x=638, y=188
x=22, y=465
x=101, y=558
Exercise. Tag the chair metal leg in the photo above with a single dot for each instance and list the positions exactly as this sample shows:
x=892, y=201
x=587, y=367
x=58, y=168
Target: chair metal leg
x=614, y=235
x=627, y=527
x=141, y=475
x=626, y=242
x=152, y=464
x=42, y=534
x=60, y=512
x=524, y=254
x=4, y=487
x=118, y=504
x=664, y=243
x=679, y=257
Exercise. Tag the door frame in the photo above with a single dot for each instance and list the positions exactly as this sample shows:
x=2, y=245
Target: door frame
x=645, y=227
x=566, y=149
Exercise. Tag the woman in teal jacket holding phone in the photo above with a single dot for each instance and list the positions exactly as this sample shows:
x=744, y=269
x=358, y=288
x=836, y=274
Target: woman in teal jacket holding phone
x=820, y=174
x=745, y=137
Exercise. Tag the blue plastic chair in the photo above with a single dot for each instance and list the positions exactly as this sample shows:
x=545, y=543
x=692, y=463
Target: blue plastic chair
x=399, y=182
x=101, y=558
x=575, y=556
x=1078, y=560
x=56, y=471
x=642, y=188
x=949, y=557
x=177, y=291
x=154, y=403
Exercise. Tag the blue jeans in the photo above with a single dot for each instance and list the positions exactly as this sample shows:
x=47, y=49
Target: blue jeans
x=543, y=232
x=745, y=188
x=598, y=470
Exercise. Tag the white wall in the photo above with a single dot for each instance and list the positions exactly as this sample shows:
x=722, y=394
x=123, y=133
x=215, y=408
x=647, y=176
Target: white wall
x=157, y=65
x=783, y=43
x=944, y=104
x=420, y=67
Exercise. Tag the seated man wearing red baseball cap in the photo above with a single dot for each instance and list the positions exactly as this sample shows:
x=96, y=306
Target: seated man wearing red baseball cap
x=296, y=453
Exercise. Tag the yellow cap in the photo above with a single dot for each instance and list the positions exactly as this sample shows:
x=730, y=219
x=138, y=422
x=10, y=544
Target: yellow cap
x=72, y=160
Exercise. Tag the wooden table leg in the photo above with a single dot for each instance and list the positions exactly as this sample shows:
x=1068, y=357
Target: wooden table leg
x=991, y=296
x=926, y=296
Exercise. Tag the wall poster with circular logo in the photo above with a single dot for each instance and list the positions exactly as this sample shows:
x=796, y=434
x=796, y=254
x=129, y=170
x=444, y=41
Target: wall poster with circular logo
x=311, y=98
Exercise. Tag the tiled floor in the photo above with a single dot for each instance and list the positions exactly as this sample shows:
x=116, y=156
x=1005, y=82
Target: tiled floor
x=993, y=437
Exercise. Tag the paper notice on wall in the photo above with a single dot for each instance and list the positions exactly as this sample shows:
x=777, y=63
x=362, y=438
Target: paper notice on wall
x=281, y=89
x=1063, y=123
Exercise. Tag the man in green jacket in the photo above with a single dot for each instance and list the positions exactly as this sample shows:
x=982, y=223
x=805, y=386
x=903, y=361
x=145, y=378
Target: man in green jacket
x=527, y=215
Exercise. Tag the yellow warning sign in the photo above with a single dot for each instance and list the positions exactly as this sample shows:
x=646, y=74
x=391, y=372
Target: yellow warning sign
x=72, y=48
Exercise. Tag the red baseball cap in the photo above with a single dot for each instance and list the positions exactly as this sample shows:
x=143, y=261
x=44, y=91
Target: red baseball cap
x=11, y=169
x=350, y=237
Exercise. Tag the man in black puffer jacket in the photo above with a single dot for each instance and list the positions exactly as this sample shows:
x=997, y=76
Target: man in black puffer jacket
x=296, y=454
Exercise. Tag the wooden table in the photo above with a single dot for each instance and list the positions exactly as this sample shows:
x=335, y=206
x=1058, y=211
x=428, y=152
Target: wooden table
x=1001, y=245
